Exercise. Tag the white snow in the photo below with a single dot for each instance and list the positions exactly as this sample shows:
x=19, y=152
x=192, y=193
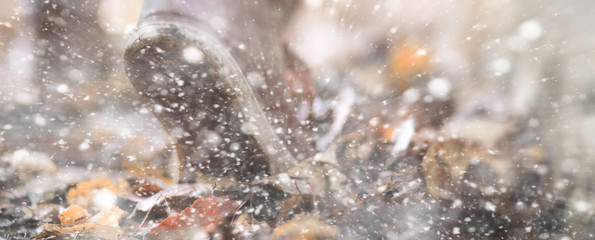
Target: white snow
x=39, y=121
x=530, y=30
x=440, y=88
x=500, y=66
x=193, y=55
x=234, y=146
x=342, y=107
x=62, y=88
x=314, y=4
x=242, y=46
x=213, y=138
x=284, y=178
x=104, y=198
x=581, y=206
x=84, y=145
x=256, y=80
x=411, y=95
x=249, y=128
x=490, y=206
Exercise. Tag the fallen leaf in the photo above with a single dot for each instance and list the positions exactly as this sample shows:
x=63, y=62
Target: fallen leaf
x=407, y=60
x=74, y=214
x=385, y=131
x=145, y=187
x=139, y=154
x=204, y=216
x=93, y=194
x=319, y=177
x=144, y=204
x=103, y=225
x=246, y=227
x=486, y=131
x=294, y=205
x=305, y=228
x=43, y=235
x=397, y=186
x=30, y=163
x=108, y=217
x=446, y=163
x=50, y=183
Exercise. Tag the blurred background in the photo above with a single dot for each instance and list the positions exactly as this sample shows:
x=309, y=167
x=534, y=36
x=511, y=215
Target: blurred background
x=517, y=64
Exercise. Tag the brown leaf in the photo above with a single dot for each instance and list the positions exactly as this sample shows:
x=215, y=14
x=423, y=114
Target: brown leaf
x=204, y=215
x=294, y=205
x=486, y=131
x=305, y=228
x=444, y=164
x=145, y=187
x=447, y=161
x=144, y=204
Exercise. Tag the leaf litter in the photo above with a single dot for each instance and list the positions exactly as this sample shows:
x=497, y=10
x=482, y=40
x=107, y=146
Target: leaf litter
x=403, y=151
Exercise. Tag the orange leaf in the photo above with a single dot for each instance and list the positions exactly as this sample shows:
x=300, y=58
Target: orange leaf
x=84, y=192
x=409, y=59
x=74, y=214
x=71, y=220
x=406, y=61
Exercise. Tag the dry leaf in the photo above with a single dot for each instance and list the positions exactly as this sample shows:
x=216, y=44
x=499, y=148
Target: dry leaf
x=486, y=131
x=103, y=225
x=139, y=156
x=30, y=163
x=444, y=165
x=94, y=193
x=145, y=187
x=447, y=161
x=74, y=214
x=386, y=131
x=246, y=227
x=204, y=216
x=320, y=178
x=406, y=61
x=306, y=228
x=144, y=204
x=294, y=205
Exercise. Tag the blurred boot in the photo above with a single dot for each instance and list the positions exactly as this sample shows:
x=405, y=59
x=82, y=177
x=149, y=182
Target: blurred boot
x=216, y=76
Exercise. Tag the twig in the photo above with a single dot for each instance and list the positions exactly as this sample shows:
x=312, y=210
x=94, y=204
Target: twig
x=77, y=233
x=238, y=209
x=148, y=212
x=313, y=193
x=132, y=213
x=298, y=189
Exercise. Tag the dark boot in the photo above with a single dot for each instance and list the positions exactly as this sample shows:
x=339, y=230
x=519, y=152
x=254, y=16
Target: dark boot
x=215, y=75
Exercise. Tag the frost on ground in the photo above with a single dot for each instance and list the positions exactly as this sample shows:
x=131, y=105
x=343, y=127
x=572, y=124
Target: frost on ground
x=350, y=120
